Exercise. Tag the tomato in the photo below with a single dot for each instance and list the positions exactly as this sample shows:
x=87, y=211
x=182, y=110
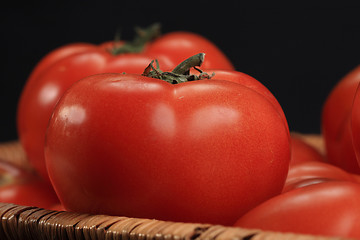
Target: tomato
x=329, y=208
x=133, y=145
x=336, y=123
x=57, y=207
x=356, y=177
x=181, y=45
x=22, y=187
x=250, y=82
x=61, y=68
x=303, y=152
x=355, y=124
x=313, y=172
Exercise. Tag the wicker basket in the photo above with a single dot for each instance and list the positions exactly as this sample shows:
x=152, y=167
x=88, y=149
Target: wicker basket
x=24, y=222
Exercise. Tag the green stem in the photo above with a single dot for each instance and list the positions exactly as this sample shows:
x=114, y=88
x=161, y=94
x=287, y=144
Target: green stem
x=181, y=73
x=137, y=45
x=185, y=66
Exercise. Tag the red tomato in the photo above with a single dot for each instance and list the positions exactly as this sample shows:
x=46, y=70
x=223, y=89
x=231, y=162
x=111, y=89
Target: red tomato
x=57, y=207
x=181, y=45
x=356, y=177
x=336, y=123
x=330, y=208
x=125, y=144
x=355, y=124
x=313, y=172
x=250, y=82
x=61, y=68
x=303, y=152
x=21, y=187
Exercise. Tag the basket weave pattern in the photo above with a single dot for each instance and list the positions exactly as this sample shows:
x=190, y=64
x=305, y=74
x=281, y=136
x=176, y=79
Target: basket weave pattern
x=21, y=222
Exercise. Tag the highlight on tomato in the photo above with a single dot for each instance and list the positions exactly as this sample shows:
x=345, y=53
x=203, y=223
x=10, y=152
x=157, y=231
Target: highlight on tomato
x=204, y=147
x=58, y=70
x=336, y=123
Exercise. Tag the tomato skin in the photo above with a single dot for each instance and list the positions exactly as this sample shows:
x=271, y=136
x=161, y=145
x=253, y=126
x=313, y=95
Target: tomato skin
x=61, y=68
x=308, y=166
x=57, y=207
x=141, y=147
x=303, y=152
x=57, y=54
x=329, y=208
x=355, y=124
x=313, y=172
x=356, y=178
x=249, y=82
x=181, y=45
x=21, y=187
x=336, y=123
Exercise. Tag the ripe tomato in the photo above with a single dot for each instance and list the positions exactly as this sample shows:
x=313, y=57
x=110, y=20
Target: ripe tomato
x=336, y=123
x=61, y=68
x=355, y=124
x=303, y=152
x=126, y=144
x=180, y=45
x=329, y=208
x=313, y=172
x=356, y=177
x=57, y=207
x=250, y=82
x=21, y=187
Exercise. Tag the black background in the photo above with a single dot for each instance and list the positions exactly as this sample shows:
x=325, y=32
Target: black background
x=298, y=53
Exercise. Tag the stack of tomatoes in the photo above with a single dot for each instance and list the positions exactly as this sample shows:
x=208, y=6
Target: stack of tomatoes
x=186, y=138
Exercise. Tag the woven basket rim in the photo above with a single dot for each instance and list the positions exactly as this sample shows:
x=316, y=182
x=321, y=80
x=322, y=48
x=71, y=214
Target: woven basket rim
x=24, y=222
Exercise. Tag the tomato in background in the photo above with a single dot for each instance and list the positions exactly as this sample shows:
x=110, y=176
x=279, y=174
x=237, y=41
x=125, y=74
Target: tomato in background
x=302, y=152
x=131, y=145
x=22, y=187
x=356, y=178
x=57, y=207
x=180, y=45
x=355, y=124
x=329, y=208
x=336, y=123
x=314, y=172
x=57, y=71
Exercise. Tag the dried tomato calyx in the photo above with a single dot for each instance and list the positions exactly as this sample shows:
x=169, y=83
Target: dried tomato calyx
x=181, y=72
x=144, y=35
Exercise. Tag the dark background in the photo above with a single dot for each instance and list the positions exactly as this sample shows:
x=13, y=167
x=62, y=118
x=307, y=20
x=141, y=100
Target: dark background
x=298, y=53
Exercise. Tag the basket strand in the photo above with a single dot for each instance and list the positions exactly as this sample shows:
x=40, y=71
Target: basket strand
x=22, y=222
